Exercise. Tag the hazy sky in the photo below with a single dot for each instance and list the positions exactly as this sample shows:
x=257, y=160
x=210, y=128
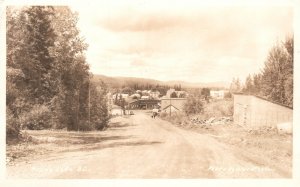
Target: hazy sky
x=183, y=41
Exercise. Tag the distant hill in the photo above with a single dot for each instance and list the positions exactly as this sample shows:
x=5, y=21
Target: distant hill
x=116, y=82
x=200, y=85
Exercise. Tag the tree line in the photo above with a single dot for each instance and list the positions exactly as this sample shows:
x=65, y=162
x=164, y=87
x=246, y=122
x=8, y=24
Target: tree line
x=275, y=81
x=48, y=79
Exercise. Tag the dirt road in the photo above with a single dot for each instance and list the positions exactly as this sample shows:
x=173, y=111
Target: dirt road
x=141, y=147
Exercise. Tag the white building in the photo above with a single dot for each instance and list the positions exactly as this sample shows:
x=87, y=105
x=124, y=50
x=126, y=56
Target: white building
x=145, y=97
x=116, y=110
x=214, y=94
x=125, y=96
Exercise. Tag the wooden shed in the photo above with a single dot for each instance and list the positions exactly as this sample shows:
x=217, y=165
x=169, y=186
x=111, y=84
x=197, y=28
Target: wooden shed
x=254, y=111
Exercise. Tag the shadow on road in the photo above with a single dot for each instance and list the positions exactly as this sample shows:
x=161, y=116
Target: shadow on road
x=119, y=125
x=99, y=146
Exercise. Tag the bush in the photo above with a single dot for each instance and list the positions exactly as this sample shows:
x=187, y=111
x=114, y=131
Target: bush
x=228, y=95
x=85, y=125
x=176, y=118
x=102, y=123
x=12, y=125
x=193, y=105
x=219, y=108
x=163, y=114
x=37, y=118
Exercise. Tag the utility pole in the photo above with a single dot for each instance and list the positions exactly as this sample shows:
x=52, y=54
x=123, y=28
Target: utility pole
x=170, y=106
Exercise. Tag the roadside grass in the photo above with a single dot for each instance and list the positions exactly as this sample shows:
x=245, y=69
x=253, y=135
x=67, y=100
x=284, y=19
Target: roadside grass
x=40, y=143
x=263, y=146
x=218, y=108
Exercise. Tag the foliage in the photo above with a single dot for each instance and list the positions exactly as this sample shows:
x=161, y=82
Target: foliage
x=275, y=82
x=12, y=125
x=48, y=79
x=173, y=95
x=194, y=104
x=37, y=118
x=248, y=88
x=235, y=85
x=182, y=95
x=227, y=95
x=177, y=87
x=219, y=108
x=277, y=77
x=99, y=114
x=176, y=118
x=127, y=90
x=205, y=92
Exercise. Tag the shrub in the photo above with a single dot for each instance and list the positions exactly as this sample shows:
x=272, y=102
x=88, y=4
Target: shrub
x=37, y=118
x=193, y=105
x=176, y=118
x=173, y=95
x=218, y=109
x=84, y=125
x=163, y=114
x=102, y=123
x=12, y=125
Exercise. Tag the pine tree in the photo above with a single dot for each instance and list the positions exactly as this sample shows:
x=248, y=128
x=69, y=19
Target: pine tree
x=275, y=74
x=248, y=85
x=36, y=61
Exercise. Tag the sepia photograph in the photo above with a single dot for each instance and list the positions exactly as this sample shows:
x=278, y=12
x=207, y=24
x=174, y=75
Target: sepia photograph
x=149, y=90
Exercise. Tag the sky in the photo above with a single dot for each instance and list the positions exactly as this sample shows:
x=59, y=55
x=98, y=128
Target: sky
x=184, y=40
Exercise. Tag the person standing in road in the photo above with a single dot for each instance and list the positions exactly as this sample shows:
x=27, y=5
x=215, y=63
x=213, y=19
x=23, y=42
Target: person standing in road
x=154, y=112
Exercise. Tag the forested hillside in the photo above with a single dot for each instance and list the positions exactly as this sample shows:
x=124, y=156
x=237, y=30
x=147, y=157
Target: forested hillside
x=143, y=83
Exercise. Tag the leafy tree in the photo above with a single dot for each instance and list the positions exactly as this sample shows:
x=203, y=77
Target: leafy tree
x=182, y=95
x=99, y=115
x=205, y=93
x=288, y=71
x=194, y=104
x=257, y=81
x=277, y=74
x=235, y=85
x=275, y=82
x=173, y=95
x=48, y=80
x=127, y=90
x=248, y=88
x=177, y=87
x=29, y=39
x=34, y=58
x=70, y=72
